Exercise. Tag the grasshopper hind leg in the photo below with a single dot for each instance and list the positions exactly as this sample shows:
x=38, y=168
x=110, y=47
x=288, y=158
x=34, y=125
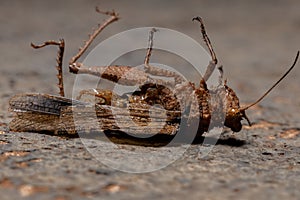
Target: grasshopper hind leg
x=59, y=60
x=75, y=67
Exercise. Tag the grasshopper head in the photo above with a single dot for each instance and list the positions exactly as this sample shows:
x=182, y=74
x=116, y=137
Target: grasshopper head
x=233, y=119
x=234, y=114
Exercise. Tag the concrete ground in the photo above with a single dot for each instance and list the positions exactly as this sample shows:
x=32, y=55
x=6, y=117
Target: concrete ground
x=255, y=41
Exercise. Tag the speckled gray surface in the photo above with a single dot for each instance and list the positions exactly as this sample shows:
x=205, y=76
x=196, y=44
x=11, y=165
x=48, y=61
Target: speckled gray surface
x=255, y=41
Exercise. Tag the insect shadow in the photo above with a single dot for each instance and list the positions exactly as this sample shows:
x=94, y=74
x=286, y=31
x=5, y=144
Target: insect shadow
x=158, y=140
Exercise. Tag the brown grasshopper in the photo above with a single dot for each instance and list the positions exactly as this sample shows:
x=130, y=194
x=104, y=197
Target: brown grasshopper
x=179, y=99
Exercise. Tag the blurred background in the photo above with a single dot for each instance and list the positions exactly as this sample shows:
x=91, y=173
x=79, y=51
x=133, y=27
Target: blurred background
x=256, y=41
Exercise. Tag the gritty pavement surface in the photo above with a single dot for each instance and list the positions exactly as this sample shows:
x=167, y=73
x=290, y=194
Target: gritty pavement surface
x=255, y=41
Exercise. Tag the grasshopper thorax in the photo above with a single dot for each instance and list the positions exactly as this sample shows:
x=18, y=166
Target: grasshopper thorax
x=234, y=115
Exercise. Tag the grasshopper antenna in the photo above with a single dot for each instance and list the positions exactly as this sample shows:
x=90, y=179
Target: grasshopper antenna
x=266, y=93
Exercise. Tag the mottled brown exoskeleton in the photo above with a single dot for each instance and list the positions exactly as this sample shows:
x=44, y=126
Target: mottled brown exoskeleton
x=178, y=98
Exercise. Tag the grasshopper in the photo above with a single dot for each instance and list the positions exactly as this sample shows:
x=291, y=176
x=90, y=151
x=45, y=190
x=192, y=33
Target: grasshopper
x=178, y=99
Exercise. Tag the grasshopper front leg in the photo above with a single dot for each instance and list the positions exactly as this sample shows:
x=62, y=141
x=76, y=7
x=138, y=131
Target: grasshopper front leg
x=103, y=97
x=213, y=63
